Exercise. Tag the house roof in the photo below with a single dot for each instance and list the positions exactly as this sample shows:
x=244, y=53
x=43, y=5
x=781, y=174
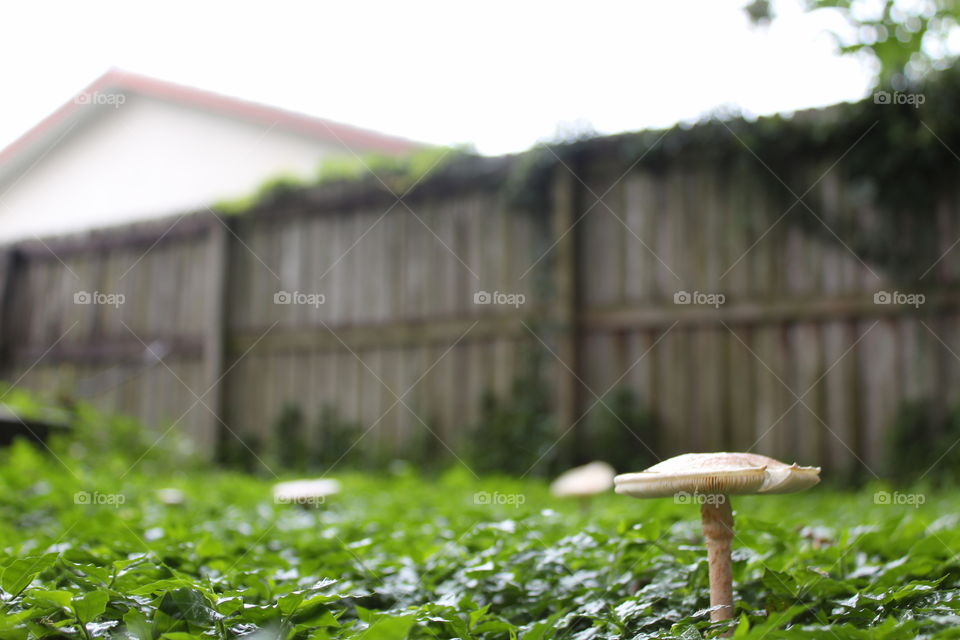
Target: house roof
x=117, y=81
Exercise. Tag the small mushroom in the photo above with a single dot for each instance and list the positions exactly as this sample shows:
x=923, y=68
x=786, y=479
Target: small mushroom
x=708, y=479
x=310, y=492
x=584, y=482
x=170, y=496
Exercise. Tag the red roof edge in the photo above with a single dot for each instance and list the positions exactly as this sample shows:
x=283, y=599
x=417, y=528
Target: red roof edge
x=353, y=138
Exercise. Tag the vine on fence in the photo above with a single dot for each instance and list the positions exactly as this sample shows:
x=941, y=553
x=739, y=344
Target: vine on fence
x=896, y=156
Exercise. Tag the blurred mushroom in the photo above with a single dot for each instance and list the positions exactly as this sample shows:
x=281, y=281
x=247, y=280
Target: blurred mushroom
x=584, y=482
x=708, y=479
x=170, y=496
x=305, y=492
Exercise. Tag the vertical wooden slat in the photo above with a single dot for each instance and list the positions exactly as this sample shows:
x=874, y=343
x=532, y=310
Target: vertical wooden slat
x=670, y=403
x=10, y=270
x=217, y=268
x=877, y=358
x=565, y=302
x=741, y=388
x=809, y=431
x=771, y=397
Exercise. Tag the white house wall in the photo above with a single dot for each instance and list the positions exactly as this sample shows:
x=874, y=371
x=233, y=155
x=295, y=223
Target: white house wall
x=144, y=159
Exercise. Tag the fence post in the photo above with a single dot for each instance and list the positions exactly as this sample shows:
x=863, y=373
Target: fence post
x=565, y=301
x=214, y=333
x=10, y=261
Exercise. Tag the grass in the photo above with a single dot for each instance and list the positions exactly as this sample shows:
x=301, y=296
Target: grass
x=406, y=556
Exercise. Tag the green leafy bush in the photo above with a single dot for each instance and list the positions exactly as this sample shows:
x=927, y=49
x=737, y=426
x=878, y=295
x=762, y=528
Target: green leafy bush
x=925, y=443
x=91, y=438
x=290, y=439
x=517, y=433
x=623, y=433
x=335, y=440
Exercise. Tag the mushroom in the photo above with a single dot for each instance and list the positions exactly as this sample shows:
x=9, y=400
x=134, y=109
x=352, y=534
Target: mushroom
x=305, y=492
x=708, y=479
x=170, y=496
x=583, y=482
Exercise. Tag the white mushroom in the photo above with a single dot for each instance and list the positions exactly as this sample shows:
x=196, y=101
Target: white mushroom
x=305, y=492
x=170, y=496
x=584, y=482
x=708, y=479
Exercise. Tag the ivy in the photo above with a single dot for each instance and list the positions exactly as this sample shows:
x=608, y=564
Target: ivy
x=897, y=153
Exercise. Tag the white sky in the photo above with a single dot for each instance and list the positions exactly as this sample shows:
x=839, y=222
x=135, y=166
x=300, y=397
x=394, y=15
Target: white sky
x=499, y=75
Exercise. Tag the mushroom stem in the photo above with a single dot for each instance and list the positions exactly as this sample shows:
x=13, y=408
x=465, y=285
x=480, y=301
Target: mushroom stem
x=584, y=504
x=717, y=516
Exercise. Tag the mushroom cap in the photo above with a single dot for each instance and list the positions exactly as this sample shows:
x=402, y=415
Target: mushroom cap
x=716, y=473
x=170, y=496
x=588, y=480
x=297, y=490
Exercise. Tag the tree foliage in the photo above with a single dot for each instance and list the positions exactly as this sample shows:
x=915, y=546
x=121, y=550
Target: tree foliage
x=904, y=39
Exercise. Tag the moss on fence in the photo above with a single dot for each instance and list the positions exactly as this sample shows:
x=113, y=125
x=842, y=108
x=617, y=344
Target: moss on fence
x=398, y=173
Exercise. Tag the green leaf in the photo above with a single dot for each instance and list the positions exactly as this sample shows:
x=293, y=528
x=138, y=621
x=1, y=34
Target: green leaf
x=18, y=574
x=161, y=586
x=289, y=603
x=90, y=605
x=137, y=625
x=60, y=599
x=189, y=605
x=743, y=627
x=389, y=628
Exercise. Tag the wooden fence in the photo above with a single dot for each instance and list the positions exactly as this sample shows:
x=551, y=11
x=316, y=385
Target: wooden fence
x=351, y=296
